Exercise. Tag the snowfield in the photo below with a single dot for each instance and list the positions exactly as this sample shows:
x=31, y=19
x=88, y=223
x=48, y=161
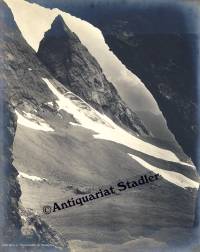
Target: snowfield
x=32, y=122
x=33, y=178
x=171, y=176
x=106, y=129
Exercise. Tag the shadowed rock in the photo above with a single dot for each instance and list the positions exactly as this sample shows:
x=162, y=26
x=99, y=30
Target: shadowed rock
x=71, y=63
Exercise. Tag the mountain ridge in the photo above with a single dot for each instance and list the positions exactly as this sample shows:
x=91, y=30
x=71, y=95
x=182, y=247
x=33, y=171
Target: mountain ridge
x=71, y=63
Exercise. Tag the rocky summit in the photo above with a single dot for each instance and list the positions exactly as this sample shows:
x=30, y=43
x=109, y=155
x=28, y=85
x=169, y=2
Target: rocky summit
x=70, y=62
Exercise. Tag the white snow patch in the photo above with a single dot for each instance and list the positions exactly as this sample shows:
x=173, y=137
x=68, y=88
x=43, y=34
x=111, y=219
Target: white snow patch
x=171, y=176
x=33, y=178
x=189, y=165
x=50, y=103
x=104, y=127
x=23, y=218
x=33, y=122
x=74, y=124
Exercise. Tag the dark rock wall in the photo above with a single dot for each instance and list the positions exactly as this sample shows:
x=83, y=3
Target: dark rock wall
x=166, y=65
x=11, y=190
x=21, y=70
x=21, y=89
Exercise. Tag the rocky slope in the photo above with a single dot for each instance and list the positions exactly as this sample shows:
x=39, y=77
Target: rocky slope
x=20, y=225
x=18, y=85
x=19, y=66
x=161, y=53
x=71, y=63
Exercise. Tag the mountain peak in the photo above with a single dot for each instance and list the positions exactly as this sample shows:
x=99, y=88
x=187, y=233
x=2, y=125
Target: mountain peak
x=59, y=20
x=62, y=52
x=58, y=28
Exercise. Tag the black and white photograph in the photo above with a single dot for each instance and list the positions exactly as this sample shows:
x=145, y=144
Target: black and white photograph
x=99, y=125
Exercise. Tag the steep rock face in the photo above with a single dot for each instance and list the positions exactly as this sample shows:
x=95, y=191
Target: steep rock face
x=25, y=88
x=11, y=190
x=21, y=89
x=20, y=225
x=166, y=64
x=71, y=63
x=36, y=231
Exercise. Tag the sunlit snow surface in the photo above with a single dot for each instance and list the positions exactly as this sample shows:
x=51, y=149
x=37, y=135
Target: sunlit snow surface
x=106, y=129
x=171, y=176
x=32, y=122
x=33, y=178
